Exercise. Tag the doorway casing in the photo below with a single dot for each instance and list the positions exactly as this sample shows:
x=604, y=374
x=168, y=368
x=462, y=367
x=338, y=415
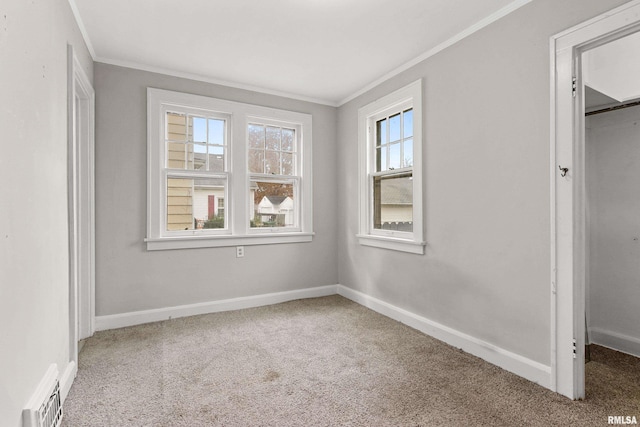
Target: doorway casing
x=81, y=203
x=568, y=191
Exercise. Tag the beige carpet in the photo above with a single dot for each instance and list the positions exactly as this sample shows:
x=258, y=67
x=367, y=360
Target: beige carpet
x=319, y=362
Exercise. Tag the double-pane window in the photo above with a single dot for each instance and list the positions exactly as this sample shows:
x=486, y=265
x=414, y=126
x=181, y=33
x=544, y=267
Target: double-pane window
x=223, y=173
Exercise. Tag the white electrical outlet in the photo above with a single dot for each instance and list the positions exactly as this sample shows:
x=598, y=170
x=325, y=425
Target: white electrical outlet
x=239, y=251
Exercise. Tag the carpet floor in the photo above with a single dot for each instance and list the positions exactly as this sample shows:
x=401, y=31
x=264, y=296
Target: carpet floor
x=320, y=362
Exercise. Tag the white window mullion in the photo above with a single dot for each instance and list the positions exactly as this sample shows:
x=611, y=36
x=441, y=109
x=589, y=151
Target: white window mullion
x=238, y=186
x=186, y=155
x=163, y=198
x=402, y=138
x=206, y=144
x=370, y=204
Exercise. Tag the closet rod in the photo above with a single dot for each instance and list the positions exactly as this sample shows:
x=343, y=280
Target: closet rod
x=616, y=107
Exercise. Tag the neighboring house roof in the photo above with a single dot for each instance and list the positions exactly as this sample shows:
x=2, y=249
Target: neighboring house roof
x=275, y=200
x=397, y=191
x=206, y=184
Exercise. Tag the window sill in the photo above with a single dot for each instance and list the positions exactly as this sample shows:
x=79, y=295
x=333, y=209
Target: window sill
x=391, y=243
x=194, y=242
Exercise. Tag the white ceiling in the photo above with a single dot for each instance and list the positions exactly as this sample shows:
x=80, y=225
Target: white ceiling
x=327, y=51
x=613, y=68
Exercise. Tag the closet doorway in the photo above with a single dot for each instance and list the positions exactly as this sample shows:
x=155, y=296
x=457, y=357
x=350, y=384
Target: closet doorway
x=612, y=163
x=578, y=313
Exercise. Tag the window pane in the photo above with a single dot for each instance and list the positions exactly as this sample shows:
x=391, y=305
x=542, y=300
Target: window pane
x=256, y=136
x=216, y=131
x=288, y=138
x=176, y=155
x=193, y=203
x=176, y=127
x=381, y=132
x=408, y=152
x=408, y=124
x=199, y=156
x=273, y=138
x=216, y=158
x=394, y=128
x=272, y=162
x=394, y=156
x=256, y=161
x=393, y=202
x=194, y=151
x=198, y=129
x=381, y=160
x=287, y=164
x=272, y=204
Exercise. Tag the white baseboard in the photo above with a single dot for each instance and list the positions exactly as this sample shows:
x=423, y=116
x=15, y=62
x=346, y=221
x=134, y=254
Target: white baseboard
x=519, y=365
x=115, y=321
x=615, y=341
x=66, y=381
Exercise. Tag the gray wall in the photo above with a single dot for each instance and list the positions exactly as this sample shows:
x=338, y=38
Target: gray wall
x=613, y=156
x=486, y=271
x=34, y=248
x=130, y=278
x=486, y=126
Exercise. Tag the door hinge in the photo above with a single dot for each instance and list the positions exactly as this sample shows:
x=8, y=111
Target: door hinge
x=574, y=86
x=575, y=349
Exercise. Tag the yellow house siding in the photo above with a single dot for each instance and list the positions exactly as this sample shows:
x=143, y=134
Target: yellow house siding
x=179, y=191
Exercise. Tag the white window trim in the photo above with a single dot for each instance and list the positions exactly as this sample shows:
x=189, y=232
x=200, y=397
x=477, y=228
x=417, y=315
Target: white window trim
x=238, y=231
x=412, y=242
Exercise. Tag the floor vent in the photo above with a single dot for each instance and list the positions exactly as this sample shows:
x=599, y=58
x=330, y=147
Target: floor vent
x=45, y=406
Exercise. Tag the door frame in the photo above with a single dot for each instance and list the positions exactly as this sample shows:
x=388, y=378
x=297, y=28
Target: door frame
x=81, y=200
x=569, y=261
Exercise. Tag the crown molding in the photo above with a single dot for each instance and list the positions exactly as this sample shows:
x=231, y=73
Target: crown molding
x=439, y=48
x=332, y=103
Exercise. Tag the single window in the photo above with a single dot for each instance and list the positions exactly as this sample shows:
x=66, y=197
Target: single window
x=274, y=176
x=196, y=171
x=393, y=191
x=191, y=202
x=390, y=139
